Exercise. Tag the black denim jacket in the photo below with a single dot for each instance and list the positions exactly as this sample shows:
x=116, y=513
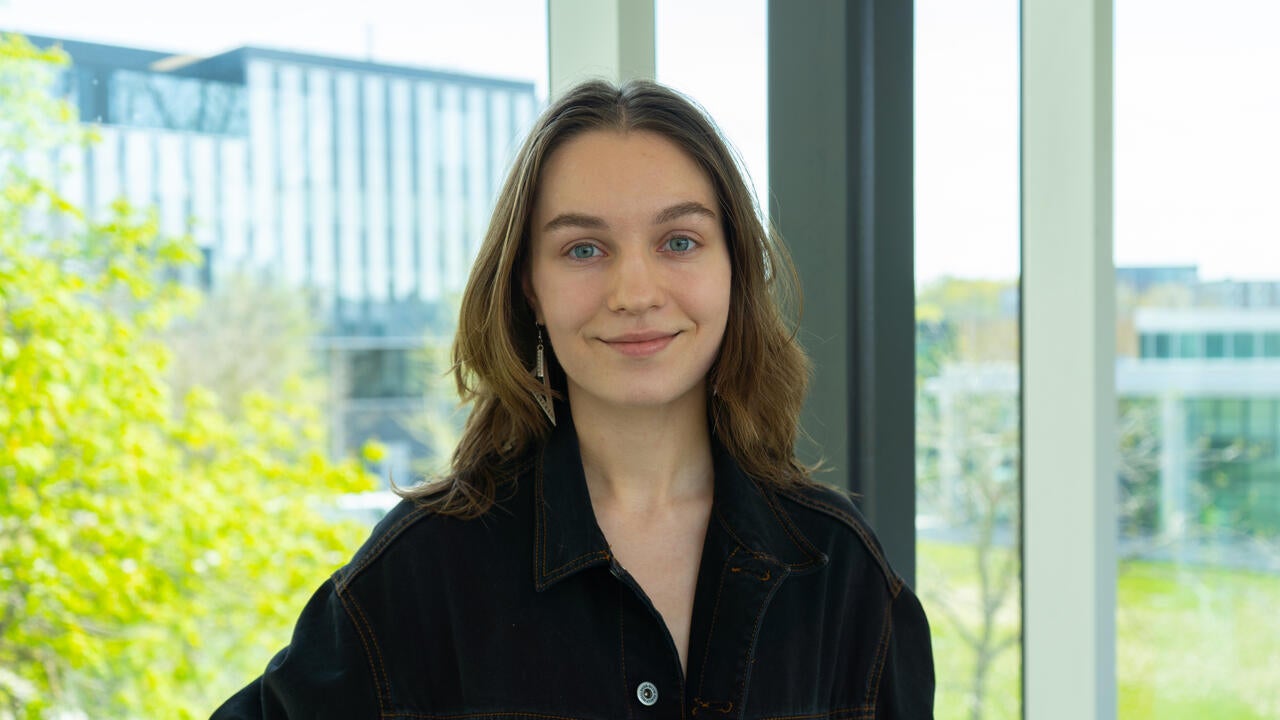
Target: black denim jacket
x=524, y=614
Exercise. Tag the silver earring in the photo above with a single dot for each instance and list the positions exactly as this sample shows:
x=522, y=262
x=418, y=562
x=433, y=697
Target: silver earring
x=540, y=372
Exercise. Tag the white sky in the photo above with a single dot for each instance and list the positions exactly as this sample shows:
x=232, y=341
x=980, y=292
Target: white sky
x=1197, y=136
x=1197, y=101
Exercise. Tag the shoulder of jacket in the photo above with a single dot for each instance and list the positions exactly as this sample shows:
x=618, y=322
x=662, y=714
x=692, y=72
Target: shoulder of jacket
x=405, y=515
x=837, y=505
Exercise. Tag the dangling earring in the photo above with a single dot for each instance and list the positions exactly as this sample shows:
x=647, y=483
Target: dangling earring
x=540, y=372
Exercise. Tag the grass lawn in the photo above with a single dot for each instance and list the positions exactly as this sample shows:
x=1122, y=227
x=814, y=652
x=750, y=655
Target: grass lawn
x=1192, y=642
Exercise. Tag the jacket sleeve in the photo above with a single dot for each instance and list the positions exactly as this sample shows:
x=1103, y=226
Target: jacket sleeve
x=325, y=672
x=907, y=684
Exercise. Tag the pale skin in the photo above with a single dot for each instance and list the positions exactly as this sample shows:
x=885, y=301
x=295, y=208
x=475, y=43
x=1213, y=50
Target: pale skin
x=629, y=271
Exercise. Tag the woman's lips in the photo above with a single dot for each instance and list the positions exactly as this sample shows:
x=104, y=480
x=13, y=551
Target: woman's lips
x=641, y=346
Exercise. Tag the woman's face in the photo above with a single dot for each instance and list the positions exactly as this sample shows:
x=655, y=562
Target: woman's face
x=629, y=269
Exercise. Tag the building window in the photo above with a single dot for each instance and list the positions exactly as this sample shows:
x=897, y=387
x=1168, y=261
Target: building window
x=385, y=373
x=1271, y=345
x=1164, y=345
x=1243, y=345
x=1189, y=345
x=1215, y=345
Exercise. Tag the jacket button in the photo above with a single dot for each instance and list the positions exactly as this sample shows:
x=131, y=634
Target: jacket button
x=647, y=692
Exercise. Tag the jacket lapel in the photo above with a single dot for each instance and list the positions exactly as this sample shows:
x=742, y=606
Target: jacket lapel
x=566, y=536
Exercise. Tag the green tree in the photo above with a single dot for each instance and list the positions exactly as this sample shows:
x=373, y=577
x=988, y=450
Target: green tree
x=967, y=473
x=151, y=560
x=248, y=335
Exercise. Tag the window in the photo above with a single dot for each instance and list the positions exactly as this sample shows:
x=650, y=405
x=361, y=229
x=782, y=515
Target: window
x=1215, y=345
x=1163, y=344
x=1198, y=570
x=1242, y=345
x=1190, y=345
x=1271, y=345
x=967, y=351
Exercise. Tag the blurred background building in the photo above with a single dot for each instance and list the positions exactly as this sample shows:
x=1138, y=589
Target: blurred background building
x=1198, y=382
x=366, y=185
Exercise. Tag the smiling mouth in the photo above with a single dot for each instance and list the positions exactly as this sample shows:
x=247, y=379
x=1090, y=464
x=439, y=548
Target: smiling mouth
x=641, y=345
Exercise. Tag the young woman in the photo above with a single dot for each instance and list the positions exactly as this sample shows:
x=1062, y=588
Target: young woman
x=626, y=532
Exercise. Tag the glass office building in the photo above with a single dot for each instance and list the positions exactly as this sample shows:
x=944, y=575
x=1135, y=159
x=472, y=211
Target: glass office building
x=1199, y=419
x=366, y=185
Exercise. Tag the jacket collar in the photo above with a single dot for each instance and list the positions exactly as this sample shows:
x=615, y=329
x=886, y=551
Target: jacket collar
x=568, y=539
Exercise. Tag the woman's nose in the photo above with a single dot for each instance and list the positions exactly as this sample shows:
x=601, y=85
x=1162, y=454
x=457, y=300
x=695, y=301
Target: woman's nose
x=636, y=285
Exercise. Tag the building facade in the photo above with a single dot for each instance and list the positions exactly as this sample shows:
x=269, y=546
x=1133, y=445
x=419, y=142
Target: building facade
x=368, y=186
x=1198, y=429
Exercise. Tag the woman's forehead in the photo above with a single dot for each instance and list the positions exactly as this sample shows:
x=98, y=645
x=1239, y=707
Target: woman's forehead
x=626, y=176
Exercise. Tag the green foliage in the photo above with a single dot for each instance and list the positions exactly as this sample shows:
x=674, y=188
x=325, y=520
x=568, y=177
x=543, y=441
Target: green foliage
x=150, y=560
x=1191, y=642
x=951, y=586
x=1197, y=642
x=971, y=321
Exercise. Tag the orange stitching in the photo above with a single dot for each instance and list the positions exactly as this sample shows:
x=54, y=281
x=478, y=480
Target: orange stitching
x=379, y=545
x=856, y=713
x=720, y=707
x=576, y=563
x=540, y=538
x=755, y=636
x=622, y=648
x=377, y=650
x=882, y=653
x=368, y=654
x=762, y=578
x=715, y=613
x=895, y=582
x=742, y=545
x=793, y=532
x=428, y=716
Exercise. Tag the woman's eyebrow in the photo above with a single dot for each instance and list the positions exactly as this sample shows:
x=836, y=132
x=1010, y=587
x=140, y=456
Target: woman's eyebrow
x=575, y=220
x=683, y=209
x=592, y=222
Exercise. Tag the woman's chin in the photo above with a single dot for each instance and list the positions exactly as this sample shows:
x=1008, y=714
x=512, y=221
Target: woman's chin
x=642, y=398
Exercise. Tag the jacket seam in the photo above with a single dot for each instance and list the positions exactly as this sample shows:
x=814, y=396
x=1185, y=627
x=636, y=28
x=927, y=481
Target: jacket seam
x=372, y=655
x=574, y=564
x=815, y=556
x=895, y=582
x=348, y=575
x=539, y=501
x=728, y=528
x=882, y=653
x=469, y=715
x=622, y=648
x=860, y=712
x=715, y=614
x=755, y=638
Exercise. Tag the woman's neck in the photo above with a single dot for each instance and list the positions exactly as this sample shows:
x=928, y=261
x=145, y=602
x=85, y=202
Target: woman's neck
x=642, y=460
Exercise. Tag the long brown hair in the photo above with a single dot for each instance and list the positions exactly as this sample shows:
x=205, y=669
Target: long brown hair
x=757, y=382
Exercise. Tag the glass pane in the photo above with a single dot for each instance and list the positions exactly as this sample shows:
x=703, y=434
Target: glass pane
x=334, y=168
x=1189, y=345
x=1162, y=345
x=724, y=71
x=967, y=352
x=1199, y=573
x=1271, y=345
x=1215, y=345
x=1242, y=345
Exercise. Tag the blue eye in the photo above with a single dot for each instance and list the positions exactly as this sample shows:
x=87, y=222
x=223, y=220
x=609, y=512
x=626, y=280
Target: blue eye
x=680, y=244
x=583, y=252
